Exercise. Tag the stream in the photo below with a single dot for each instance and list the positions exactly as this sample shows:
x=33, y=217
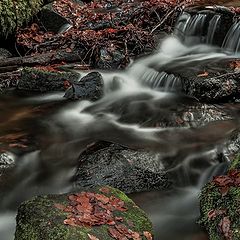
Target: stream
x=43, y=135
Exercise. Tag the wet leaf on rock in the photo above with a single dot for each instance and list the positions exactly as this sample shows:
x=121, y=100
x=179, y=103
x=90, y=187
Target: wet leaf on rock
x=148, y=235
x=225, y=228
x=91, y=237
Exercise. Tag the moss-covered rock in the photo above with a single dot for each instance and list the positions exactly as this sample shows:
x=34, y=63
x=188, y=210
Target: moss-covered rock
x=14, y=14
x=43, y=81
x=220, y=205
x=39, y=218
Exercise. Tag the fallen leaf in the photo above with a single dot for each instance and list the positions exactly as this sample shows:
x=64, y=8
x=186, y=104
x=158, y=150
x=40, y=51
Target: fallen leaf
x=148, y=235
x=204, y=74
x=91, y=237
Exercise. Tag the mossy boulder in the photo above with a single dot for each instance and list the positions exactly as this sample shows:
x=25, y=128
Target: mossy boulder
x=14, y=14
x=42, y=218
x=220, y=205
x=33, y=79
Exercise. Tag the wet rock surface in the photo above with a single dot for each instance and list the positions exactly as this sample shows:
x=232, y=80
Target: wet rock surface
x=50, y=19
x=117, y=166
x=218, y=87
x=88, y=87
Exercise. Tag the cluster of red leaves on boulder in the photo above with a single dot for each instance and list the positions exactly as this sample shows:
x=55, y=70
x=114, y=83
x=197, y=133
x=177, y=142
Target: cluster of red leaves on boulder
x=224, y=182
x=232, y=179
x=93, y=209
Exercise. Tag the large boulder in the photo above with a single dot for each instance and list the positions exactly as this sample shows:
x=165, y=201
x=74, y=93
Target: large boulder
x=120, y=167
x=102, y=213
x=219, y=205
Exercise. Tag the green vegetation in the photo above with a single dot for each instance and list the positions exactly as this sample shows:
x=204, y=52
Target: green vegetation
x=14, y=14
x=220, y=201
x=39, y=218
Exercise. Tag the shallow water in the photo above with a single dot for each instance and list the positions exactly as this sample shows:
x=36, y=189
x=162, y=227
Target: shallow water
x=46, y=135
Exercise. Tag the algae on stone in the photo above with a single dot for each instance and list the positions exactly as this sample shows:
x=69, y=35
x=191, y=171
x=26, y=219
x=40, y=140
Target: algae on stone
x=39, y=219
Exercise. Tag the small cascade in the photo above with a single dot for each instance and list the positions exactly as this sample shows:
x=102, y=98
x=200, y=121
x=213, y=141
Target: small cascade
x=209, y=25
x=213, y=24
x=232, y=40
x=190, y=28
x=162, y=80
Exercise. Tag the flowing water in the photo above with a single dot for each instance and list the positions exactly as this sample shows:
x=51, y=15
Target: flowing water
x=61, y=130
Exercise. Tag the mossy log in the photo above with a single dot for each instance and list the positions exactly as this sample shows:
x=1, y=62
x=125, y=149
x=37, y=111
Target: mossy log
x=39, y=219
x=14, y=14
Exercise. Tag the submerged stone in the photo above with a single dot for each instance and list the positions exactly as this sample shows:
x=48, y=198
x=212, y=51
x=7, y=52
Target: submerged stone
x=46, y=217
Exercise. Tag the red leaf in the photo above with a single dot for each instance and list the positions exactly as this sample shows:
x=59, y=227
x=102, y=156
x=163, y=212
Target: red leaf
x=148, y=235
x=224, y=226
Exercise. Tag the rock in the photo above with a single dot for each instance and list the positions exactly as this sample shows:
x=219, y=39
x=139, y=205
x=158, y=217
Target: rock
x=89, y=87
x=51, y=20
x=213, y=88
x=46, y=217
x=43, y=81
x=4, y=53
x=110, y=58
x=117, y=166
x=6, y=160
x=219, y=205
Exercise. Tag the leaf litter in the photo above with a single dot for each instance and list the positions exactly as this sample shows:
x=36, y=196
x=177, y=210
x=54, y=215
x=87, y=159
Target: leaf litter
x=88, y=209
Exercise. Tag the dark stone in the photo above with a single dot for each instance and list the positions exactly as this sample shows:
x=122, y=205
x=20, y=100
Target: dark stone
x=51, y=20
x=117, y=166
x=219, y=86
x=4, y=53
x=89, y=87
x=110, y=58
x=43, y=81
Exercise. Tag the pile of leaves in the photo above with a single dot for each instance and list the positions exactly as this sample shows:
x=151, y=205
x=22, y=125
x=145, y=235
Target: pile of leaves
x=220, y=206
x=123, y=26
x=88, y=209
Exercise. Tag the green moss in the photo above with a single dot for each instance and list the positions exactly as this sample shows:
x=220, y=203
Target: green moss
x=39, y=219
x=14, y=13
x=235, y=163
x=212, y=199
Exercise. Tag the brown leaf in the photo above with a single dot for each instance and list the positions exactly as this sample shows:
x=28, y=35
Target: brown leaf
x=204, y=74
x=214, y=213
x=148, y=235
x=225, y=228
x=224, y=190
x=102, y=198
x=105, y=189
x=91, y=237
x=59, y=206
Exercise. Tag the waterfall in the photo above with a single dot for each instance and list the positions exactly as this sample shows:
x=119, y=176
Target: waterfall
x=213, y=24
x=232, y=39
x=190, y=28
x=214, y=27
